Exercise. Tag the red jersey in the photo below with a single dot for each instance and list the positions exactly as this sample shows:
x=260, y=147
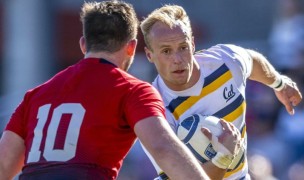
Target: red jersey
x=84, y=115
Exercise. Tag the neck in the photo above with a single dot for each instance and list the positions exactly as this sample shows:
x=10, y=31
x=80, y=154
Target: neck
x=194, y=77
x=116, y=58
x=196, y=73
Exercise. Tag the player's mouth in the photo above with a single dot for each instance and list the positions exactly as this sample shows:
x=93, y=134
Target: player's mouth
x=179, y=71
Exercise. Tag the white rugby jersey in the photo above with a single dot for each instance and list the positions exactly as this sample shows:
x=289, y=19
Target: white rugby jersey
x=220, y=92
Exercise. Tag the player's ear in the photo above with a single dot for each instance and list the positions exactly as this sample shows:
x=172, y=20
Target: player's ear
x=148, y=54
x=82, y=45
x=131, y=47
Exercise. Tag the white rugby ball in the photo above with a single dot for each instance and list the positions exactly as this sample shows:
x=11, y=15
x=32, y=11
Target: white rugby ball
x=189, y=131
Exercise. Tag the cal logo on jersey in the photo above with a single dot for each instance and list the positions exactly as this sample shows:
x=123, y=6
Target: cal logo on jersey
x=228, y=93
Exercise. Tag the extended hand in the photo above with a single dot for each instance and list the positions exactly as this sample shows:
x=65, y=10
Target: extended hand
x=290, y=95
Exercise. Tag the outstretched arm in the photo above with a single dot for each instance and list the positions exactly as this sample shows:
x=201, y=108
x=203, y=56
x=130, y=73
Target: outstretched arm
x=286, y=90
x=11, y=154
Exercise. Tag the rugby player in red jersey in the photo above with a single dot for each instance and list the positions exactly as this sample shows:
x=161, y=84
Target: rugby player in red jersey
x=82, y=122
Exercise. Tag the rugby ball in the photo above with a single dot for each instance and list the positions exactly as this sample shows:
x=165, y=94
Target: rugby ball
x=189, y=131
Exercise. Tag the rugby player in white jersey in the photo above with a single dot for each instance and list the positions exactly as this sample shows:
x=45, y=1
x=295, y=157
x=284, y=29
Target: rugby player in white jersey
x=208, y=82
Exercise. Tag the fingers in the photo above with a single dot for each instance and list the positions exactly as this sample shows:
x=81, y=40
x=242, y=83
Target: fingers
x=290, y=96
x=293, y=96
x=230, y=137
x=295, y=100
x=229, y=129
x=207, y=133
x=226, y=126
x=289, y=108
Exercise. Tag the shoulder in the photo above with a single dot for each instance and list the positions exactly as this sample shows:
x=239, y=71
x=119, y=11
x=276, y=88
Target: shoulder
x=234, y=56
x=135, y=83
x=220, y=51
x=137, y=88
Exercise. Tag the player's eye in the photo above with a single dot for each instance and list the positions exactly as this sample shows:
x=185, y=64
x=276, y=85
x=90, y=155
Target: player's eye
x=166, y=51
x=184, y=48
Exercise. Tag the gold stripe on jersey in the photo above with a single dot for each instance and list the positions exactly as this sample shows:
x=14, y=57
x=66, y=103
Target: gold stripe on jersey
x=233, y=110
x=243, y=131
x=227, y=174
x=236, y=113
x=212, y=82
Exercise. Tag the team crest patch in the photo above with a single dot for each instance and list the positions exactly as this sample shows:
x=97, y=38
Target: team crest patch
x=210, y=152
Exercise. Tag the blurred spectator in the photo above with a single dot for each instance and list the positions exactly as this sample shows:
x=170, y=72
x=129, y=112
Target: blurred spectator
x=262, y=109
x=287, y=38
x=275, y=151
x=260, y=168
x=290, y=129
x=296, y=171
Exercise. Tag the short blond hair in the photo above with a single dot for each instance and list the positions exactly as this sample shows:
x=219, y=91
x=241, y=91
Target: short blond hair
x=170, y=15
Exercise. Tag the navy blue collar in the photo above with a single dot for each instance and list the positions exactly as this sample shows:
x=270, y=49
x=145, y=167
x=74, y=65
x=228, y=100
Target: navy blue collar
x=101, y=60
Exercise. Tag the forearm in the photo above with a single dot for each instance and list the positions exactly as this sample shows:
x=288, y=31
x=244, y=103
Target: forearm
x=11, y=155
x=213, y=171
x=3, y=174
x=184, y=169
x=262, y=70
x=173, y=157
x=9, y=172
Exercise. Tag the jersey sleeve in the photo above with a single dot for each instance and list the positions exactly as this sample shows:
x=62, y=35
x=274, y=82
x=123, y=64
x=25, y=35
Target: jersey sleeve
x=144, y=101
x=240, y=60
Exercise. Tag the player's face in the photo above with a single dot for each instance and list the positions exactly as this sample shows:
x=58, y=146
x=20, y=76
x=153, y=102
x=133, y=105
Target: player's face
x=172, y=53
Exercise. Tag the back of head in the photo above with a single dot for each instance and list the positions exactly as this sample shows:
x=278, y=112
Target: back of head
x=108, y=25
x=171, y=15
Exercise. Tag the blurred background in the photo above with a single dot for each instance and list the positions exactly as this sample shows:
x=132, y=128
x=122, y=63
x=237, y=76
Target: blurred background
x=39, y=38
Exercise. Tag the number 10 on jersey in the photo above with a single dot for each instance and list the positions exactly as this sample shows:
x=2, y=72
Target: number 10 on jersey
x=69, y=150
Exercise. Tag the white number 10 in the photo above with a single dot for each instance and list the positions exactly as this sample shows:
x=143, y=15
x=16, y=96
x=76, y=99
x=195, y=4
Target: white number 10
x=49, y=153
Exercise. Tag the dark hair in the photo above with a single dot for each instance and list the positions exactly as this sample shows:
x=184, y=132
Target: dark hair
x=108, y=25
